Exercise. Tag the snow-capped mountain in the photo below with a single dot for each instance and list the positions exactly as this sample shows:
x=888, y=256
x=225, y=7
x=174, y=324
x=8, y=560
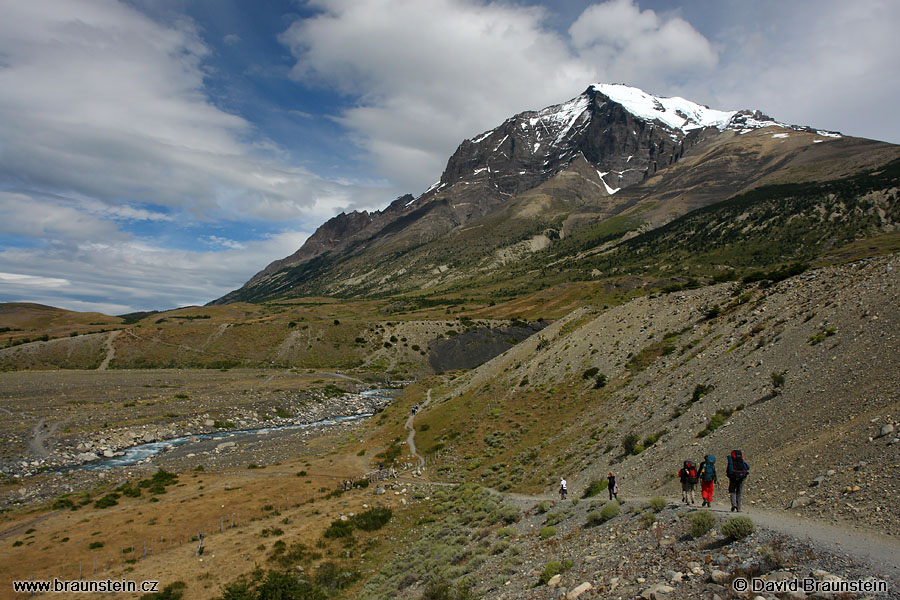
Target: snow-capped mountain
x=598, y=153
x=624, y=132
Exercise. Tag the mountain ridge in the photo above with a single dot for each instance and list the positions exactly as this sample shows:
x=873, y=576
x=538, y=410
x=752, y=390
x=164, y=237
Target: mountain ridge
x=613, y=137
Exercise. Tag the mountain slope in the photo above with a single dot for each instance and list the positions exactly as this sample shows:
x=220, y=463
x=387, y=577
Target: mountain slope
x=544, y=175
x=802, y=375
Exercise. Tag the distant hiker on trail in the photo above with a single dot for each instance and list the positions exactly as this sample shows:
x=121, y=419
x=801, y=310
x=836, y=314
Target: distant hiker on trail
x=708, y=479
x=737, y=472
x=563, y=489
x=612, y=486
x=688, y=477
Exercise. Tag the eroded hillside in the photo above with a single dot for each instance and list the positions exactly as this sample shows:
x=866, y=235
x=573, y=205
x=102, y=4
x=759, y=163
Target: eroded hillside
x=802, y=375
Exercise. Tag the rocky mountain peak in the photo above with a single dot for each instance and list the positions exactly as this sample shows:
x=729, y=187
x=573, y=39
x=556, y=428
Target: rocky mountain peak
x=622, y=134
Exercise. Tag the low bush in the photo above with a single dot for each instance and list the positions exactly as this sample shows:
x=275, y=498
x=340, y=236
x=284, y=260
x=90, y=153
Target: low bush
x=372, y=519
x=657, y=503
x=701, y=522
x=338, y=529
x=610, y=510
x=173, y=591
x=333, y=577
x=547, y=532
x=553, y=568
x=107, y=501
x=595, y=487
x=737, y=528
x=557, y=516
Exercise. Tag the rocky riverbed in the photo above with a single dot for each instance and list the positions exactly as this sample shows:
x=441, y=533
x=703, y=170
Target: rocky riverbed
x=72, y=422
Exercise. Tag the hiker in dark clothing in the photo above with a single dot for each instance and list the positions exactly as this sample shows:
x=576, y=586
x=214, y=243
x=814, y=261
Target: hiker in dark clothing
x=612, y=486
x=737, y=472
x=688, y=477
x=708, y=479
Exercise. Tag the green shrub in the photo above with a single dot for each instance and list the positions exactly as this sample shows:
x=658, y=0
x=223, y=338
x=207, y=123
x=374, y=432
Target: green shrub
x=372, y=519
x=553, y=568
x=331, y=576
x=173, y=591
x=648, y=519
x=701, y=522
x=557, y=516
x=130, y=490
x=339, y=529
x=594, y=518
x=594, y=488
x=629, y=442
x=439, y=588
x=62, y=503
x=610, y=510
x=716, y=421
x=500, y=547
x=272, y=585
x=737, y=528
x=699, y=391
x=547, y=532
x=654, y=437
x=590, y=373
x=107, y=501
x=777, y=379
x=543, y=507
x=657, y=503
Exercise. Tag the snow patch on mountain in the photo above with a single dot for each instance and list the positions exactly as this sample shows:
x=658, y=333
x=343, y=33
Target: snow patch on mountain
x=677, y=113
x=609, y=190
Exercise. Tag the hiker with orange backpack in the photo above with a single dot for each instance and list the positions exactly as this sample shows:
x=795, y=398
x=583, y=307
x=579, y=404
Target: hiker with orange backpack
x=688, y=477
x=708, y=479
x=737, y=472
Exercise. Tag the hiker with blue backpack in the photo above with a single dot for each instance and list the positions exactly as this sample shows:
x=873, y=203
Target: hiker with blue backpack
x=708, y=479
x=737, y=472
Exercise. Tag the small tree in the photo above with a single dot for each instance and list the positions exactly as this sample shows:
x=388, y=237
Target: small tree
x=629, y=443
x=777, y=382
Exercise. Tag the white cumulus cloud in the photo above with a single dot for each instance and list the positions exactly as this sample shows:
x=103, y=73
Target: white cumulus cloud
x=430, y=73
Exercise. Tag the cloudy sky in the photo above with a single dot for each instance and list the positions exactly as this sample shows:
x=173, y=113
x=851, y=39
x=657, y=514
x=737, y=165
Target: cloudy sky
x=158, y=153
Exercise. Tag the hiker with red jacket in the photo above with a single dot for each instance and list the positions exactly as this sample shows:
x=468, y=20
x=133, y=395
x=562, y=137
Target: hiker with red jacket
x=708, y=479
x=737, y=472
x=688, y=477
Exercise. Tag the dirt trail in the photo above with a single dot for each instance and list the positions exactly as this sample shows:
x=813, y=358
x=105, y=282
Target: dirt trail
x=410, y=427
x=110, y=349
x=877, y=550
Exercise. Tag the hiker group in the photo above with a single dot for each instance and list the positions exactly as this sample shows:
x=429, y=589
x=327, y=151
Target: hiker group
x=705, y=474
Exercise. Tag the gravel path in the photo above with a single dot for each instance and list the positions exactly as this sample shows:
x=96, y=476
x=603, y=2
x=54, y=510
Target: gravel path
x=110, y=349
x=410, y=427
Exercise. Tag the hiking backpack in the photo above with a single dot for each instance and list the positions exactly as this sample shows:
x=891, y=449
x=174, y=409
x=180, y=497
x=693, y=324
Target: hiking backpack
x=690, y=472
x=708, y=472
x=739, y=467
